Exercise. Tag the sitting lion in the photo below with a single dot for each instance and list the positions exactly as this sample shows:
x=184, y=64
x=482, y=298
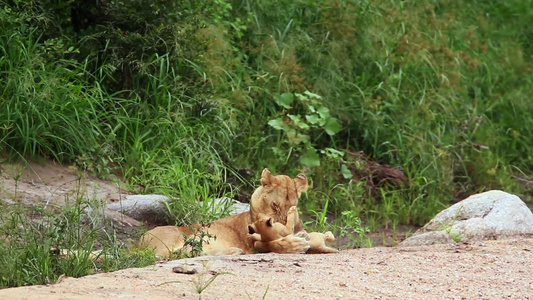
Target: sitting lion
x=274, y=198
x=266, y=230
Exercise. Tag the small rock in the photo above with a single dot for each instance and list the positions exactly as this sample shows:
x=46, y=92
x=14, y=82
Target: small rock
x=183, y=270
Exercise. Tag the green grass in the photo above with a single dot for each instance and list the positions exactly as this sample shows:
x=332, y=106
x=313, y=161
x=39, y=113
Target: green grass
x=35, y=244
x=44, y=111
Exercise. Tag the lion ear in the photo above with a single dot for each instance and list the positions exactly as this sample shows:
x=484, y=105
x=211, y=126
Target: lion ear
x=301, y=183
x=270, y=222
x=266, y=177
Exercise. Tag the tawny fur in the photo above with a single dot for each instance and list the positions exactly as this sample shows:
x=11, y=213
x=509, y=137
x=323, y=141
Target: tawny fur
x=274, y=198
x=265, y=230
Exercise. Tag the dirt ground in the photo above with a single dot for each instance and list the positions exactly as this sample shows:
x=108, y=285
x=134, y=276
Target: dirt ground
x=49, y=183
x=487, y=270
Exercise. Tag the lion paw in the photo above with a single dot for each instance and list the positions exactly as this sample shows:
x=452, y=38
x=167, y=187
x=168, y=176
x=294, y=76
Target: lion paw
x=303, y=234
x=289, y=244
x=227, y=251
x=292, y=210
x=253, y=237
x=299, y=245
x=329, y=237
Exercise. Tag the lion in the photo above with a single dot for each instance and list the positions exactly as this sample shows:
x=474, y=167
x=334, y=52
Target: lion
x=274, y=198
x=265, y=230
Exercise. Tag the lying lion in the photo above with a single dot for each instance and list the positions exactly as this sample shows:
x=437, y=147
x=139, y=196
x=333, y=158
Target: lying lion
x=274, y=198
x=265, y=230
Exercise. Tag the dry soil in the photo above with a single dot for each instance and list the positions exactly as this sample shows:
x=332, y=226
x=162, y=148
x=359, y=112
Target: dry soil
x=488, y=270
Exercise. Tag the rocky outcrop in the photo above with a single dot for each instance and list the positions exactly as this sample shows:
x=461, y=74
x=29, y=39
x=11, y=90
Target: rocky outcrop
x=486, y=216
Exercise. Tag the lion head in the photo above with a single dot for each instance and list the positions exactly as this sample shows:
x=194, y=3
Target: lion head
x=276, y=195
x=268, y=229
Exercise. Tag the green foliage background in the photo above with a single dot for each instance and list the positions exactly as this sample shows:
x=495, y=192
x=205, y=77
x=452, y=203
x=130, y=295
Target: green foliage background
x=195, y=98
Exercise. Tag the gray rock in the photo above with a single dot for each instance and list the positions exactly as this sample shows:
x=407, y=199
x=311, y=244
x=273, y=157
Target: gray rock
x=428, y=238
x=148, y=208
x=490, y=215
x=153, y=208
x=228, y=205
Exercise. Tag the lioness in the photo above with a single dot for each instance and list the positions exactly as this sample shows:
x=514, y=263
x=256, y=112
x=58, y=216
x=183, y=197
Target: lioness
x=273, y=198
x=265, y=230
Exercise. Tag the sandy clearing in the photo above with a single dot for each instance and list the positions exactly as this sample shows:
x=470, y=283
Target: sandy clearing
x=487, y=270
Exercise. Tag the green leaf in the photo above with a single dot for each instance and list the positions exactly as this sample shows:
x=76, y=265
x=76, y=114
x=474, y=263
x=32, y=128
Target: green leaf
x=284, y=99
x=310, y=158
x=301, y=97
x=313, y=119
x=323, y=112
x=297, y=120
x=311, y=95
x=346, y=173
x=292, y=136
x=332, y=126
x=303, y=137
x=276, y=123
x=333, y=153
x=296, y=138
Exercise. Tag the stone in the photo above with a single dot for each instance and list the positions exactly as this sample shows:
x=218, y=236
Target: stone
x=153, y=208
x=232, y=207
x=486, y=216
x=428, y=238
x=148, y=208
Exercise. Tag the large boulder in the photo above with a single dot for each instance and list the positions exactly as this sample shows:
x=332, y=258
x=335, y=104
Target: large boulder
x=486, y=216
x=147, y=208
x=153, y=208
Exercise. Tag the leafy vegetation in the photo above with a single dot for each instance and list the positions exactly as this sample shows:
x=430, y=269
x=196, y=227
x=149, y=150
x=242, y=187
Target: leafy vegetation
x=38, y=247
x=392, y=108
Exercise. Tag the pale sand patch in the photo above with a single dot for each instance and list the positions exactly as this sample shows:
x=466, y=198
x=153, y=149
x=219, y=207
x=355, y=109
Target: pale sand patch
x=487, y=270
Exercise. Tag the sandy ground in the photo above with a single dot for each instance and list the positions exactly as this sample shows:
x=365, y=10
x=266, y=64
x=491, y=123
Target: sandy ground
x=50, y=183
x=488, y=270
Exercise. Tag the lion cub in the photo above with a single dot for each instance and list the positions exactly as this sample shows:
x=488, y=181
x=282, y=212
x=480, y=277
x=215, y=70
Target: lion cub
x=265, y=230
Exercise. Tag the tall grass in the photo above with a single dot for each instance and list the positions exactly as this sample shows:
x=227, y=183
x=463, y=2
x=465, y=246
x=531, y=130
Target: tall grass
x=61, y=109
x=40, y=245
x=44, y=106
